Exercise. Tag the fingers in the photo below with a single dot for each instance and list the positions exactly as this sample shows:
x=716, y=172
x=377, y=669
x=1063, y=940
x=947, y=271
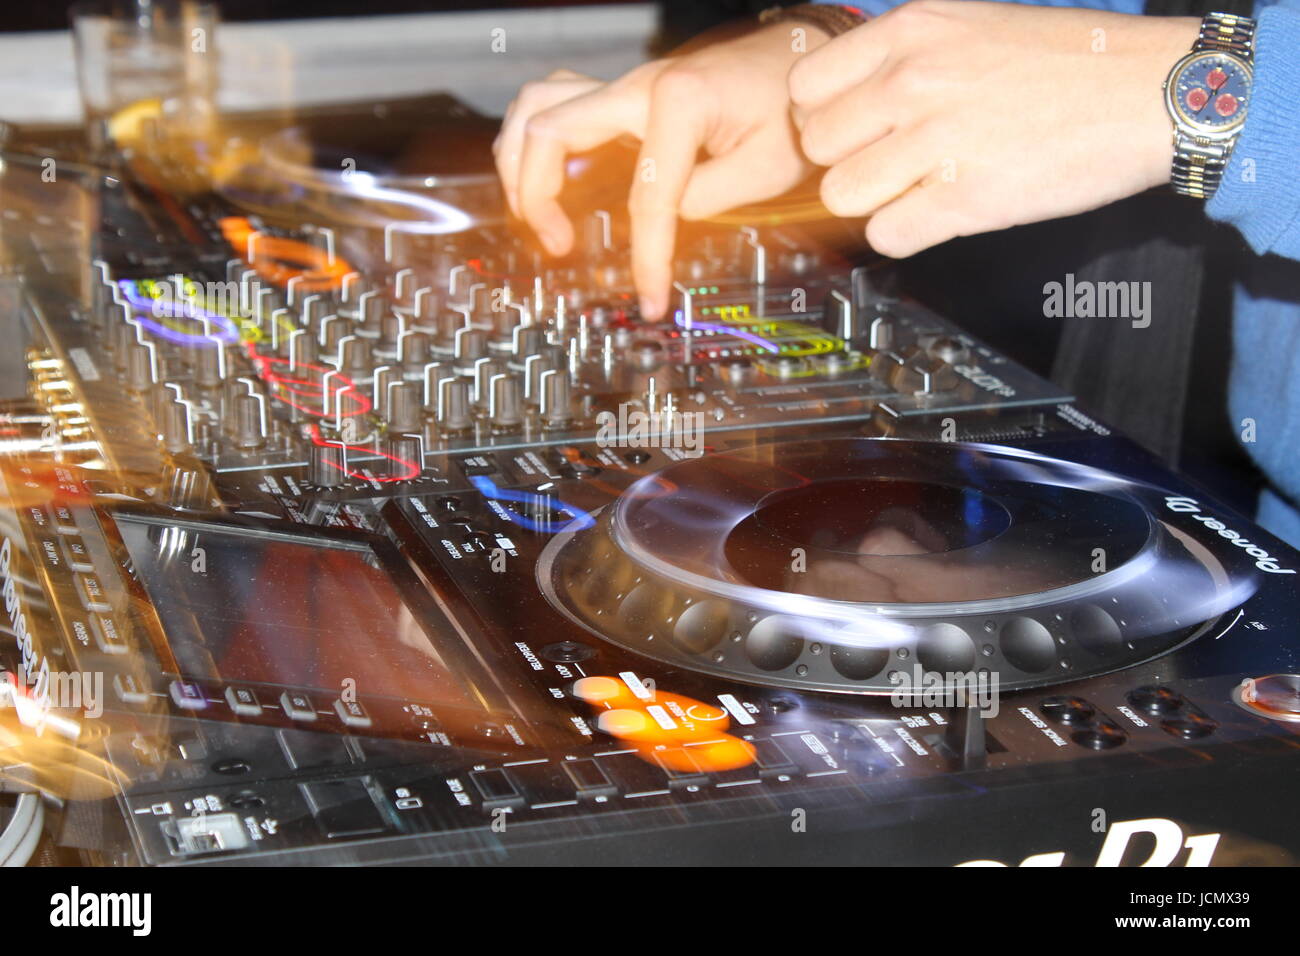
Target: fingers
x=560, y=86
x=880, y=173
x=922, y=217
x=579, y=124
x=838, y=66
x=674, y=133
x=750, y=173
x=847, y=124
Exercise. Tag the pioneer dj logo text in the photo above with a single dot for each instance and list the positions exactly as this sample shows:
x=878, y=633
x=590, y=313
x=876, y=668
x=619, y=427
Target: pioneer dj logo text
x=1169, y=845
x=935, y=689
x=77, y=909
x=1190, y=506
x=668, y=428
x=1098, y=300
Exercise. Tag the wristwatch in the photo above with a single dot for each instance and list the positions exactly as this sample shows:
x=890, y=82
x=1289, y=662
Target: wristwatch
x=833, y=18
x=1207, y=94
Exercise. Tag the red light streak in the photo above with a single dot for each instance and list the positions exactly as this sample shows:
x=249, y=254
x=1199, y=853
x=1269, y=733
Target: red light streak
x=412, y=469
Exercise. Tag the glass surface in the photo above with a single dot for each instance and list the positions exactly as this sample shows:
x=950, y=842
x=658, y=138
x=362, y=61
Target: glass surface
x=142, y=62
x=271, y=609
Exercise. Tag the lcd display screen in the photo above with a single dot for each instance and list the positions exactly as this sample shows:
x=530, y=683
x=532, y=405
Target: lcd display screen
x=255, y=606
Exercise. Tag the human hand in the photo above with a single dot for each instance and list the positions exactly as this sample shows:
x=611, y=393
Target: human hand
x=944, y=118
x=730, y=100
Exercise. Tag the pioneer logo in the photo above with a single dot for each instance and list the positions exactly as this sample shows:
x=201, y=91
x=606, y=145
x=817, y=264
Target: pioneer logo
x=1169, y=844
x=35, y=673
x=75, y=909
x=1190, y=506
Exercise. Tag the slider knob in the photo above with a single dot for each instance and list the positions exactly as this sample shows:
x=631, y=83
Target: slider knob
x=881, y=333
x=950, y=350
x=327, y=465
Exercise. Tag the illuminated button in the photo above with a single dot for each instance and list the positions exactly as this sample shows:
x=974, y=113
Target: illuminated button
x=243, y=701
x=187, y=695
x=351, y=713
x=594, y=690
x=107, y=637
x=297, y=706
x=623, y=723
x=74, y=549
x=91, y=592
x=129, y=689
x=496, y=788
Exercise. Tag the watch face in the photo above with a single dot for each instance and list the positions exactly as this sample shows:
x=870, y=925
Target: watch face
x=1211, y=92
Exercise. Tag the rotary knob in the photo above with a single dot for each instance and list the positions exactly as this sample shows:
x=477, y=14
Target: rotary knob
x=454, y=412
x=505, y=409
x=249, y=428
x=555, y=399
x=327, y=465
x=402, y=413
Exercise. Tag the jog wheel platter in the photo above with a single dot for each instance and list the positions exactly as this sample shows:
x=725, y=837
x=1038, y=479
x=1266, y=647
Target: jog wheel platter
x=842, y=565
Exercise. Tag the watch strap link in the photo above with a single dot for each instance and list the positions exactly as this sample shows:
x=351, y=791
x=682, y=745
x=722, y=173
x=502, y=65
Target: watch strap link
x=1198, y=166
x=1227, y=33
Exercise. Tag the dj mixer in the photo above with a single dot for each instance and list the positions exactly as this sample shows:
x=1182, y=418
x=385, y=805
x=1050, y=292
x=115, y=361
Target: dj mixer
x=342, y=526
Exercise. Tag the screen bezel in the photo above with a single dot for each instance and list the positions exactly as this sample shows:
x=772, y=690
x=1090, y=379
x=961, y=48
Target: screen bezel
x=451, y=640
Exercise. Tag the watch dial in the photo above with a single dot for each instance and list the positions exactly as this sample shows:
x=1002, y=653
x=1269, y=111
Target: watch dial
x=1213, y=91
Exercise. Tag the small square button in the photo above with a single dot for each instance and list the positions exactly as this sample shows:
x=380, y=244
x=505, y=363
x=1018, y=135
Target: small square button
x=107, y=637
x=74, y=549
x=351, y=713
x=91, y=592
x=187, y=695
x=297, y=706
x=243, y=701
x=130, y=690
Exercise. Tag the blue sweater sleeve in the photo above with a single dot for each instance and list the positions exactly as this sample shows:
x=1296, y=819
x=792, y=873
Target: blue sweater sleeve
x=1260, y=192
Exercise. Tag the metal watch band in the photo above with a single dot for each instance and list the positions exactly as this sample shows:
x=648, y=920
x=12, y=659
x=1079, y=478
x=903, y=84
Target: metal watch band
x=1199, y=163
x=832, y=18
x=1227, y=33
x=1198, y=166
